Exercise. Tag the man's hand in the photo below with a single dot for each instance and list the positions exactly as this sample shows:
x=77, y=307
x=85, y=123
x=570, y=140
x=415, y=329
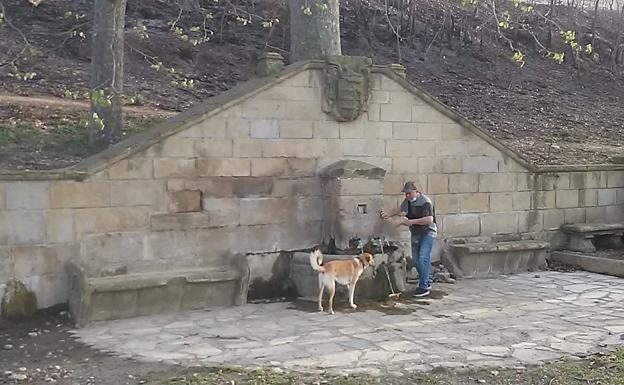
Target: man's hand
x=405, y=222
x=384, y=215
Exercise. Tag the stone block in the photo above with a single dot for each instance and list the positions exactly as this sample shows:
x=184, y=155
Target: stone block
x=22, y=227
x=521, y=200
x=479, y=164
x=238, y=128
x=213, y=148
x=265, y=129
x=499, y=223
x=245, y=187
x=452, y=148
x=530, y=221
x=451, y=165
x=479, y=147
x=588, y=198
x=356, y=187
x=438, y=183
x=326, y=129
x=39, y=260
x=219, y=187
x=222, y=211
x=446, y=203
x=596, y=214
x=566, y=198
x=378, y=96
x=66, y=194
x=497, y=182
x=409, y=148
x=351, y=130
x=374, y=112
x=2, y=197
x=405, y=165
x=474, y=203
x=60, y=226
x=185, y=201
x=138, y=168
x=50, y=289
x=289, y=92
x=96, y=221
x=181, y=221
x=463, y=183
x=424, y=113
x=296, y=129
x=553, y=219
x=207, y=128
x=396, y=112
x=404, y=130
x=574, y=215
x=175, y=147
x=175, y=168
x=507, y=164
x=461, y=225
x=615, y=179
x=27, y=195
x=309, y=110
x=403, y=97
x=501, y=202
x=588, y=180
x=297, y=187
x=363, y=147
x=607, y=197
x=543, y=199
x=299, y=167
x=614, y=214
x=452, y=131
x=526, y=181
x=620, y=196
x=258, y=211
x=269, y=167
x=246, y=148
x=430, y=131
x=552, y=181
x=224, y=167
x=137, y=193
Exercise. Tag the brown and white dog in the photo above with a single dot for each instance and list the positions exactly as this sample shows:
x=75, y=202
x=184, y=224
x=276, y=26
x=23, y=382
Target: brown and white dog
x=345, y=272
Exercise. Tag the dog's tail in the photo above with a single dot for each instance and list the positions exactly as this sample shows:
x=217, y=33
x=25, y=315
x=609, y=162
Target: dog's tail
x=316, y=258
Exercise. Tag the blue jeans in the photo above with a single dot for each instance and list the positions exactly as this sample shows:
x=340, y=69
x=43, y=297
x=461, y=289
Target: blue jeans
x=421, y=256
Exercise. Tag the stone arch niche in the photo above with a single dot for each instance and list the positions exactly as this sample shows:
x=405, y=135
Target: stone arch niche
x=352, y=201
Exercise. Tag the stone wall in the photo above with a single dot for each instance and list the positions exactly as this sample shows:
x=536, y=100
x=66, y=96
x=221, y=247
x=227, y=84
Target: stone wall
x=245, y=179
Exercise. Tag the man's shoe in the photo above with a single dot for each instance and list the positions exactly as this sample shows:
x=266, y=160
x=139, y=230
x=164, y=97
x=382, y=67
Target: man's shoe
x=420, y=292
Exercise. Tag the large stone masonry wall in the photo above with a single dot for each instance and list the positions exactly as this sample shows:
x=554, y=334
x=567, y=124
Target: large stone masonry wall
x=246, y=180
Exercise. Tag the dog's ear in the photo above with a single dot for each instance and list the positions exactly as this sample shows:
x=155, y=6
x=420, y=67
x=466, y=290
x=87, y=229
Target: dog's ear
x=367, y=258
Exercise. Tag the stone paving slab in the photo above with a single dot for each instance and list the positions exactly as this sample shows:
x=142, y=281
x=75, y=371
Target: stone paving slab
x=510, y=321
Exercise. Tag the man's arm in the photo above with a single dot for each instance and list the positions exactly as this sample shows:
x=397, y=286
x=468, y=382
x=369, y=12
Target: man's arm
x=419, y=221
x=390, y=213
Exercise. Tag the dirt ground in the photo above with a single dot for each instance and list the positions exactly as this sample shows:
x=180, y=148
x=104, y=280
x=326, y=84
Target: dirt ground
x=547, y=112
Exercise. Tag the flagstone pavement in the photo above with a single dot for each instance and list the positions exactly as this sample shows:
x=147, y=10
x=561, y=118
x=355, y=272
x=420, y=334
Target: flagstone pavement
x=509, y=321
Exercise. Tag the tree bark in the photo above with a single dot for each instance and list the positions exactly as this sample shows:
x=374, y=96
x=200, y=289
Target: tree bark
x=314, y=29
x=107, y=59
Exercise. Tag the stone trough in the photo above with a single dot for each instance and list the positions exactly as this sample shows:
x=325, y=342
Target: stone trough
x=373, y=284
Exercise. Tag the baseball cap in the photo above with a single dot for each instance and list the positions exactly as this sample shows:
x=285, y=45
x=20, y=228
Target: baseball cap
x=409, y=187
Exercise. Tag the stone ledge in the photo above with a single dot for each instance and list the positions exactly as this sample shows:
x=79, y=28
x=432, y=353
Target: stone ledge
x=593, y=228
x=594, y=264
x=501, y=247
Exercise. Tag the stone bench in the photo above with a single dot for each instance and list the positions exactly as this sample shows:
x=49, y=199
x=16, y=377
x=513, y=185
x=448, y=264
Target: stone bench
x=124, y=292
x=581, y=236
x=482, y=258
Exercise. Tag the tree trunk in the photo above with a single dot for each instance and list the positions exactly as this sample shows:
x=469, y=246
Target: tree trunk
x=314, y=29
x=107, y=59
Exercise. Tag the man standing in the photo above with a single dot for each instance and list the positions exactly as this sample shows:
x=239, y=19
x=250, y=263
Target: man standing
x=420, y=218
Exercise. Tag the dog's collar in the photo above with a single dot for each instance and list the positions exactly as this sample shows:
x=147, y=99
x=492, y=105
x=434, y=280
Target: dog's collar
x=360, y=261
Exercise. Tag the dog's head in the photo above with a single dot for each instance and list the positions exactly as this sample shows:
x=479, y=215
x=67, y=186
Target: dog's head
x=367, y=259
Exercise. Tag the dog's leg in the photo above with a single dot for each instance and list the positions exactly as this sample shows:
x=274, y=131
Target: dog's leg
x=331, y=288
x=320, y=296
x=351, y=287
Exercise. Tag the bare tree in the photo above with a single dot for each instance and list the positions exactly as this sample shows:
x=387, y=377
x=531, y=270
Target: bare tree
x=107, y=63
